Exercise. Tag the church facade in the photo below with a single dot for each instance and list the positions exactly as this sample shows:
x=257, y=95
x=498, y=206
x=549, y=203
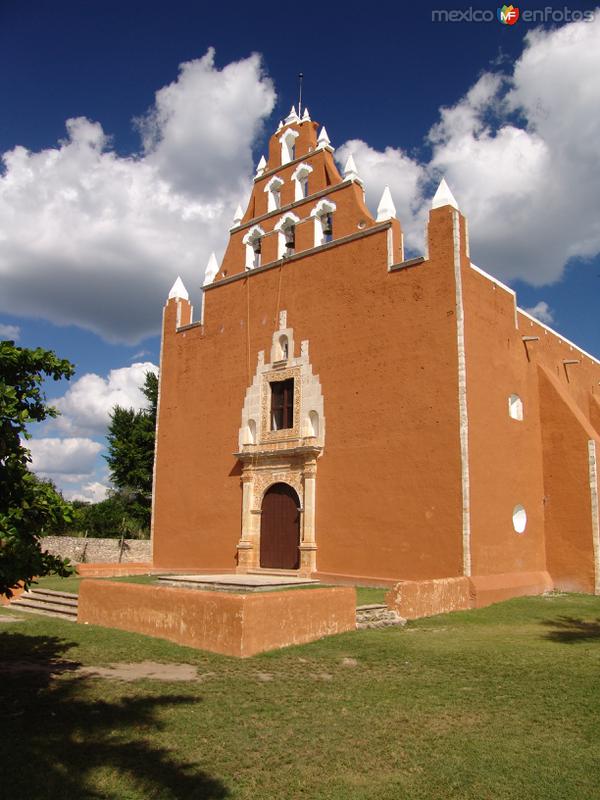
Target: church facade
x=342, y=412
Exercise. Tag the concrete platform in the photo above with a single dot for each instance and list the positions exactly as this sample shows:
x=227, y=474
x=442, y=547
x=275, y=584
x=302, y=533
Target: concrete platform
x=232, y=623
x=236, y=582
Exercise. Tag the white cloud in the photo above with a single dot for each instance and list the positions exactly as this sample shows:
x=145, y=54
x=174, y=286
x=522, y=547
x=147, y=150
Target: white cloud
x=542, y=311
x=91, y=492
x=74, y=456
x=73, y=459
x=86, y=405
x=11, y=332
x=96, y=239
x=396, y=169
x=520, y=153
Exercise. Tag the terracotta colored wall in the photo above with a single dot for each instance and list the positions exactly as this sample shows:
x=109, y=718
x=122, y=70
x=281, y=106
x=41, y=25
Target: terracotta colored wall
x=383, y=345
x=565, y=436
x=488, y=589
x=415, y=599
x=232, y=624
x=505, y=454
x=509, y=458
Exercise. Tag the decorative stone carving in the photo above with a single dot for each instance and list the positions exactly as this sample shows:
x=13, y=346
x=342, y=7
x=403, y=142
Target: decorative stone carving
x=280, y=456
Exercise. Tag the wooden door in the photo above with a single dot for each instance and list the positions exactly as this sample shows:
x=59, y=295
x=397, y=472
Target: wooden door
x=280, y=528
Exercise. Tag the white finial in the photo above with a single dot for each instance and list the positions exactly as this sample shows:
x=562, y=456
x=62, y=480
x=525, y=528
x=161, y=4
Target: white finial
x=280, y=126
x=306, y=116
x=237, y=217
x=444, y=197
x=292, y=116
x=261, y=166
x=323, y=140
x=211, y=270
x=178, y=291
x=386, y=208
x=350, y=171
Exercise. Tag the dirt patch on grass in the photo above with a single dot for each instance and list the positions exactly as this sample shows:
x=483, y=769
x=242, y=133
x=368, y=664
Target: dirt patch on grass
x=122, y=671
x=142, y=670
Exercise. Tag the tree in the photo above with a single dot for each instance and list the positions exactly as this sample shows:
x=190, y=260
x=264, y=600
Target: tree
x=27, y=504
x=131, y=436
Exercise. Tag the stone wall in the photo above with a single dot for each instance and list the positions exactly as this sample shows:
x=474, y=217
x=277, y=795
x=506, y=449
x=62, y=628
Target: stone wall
x=107, y=551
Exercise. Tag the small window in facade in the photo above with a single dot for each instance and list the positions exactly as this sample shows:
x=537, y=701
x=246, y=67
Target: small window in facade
x=284, y=347
x=273, y=190
x=290, y=240
x=515, y=407
x=256, y=248
x=322, y=214
x=300, y=179
x=519, y=519
x=282, y=405
x=253, y=242
x=288, y=146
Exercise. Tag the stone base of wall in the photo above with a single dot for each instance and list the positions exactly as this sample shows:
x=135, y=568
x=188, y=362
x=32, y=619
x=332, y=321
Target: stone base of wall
x=93, y=551
x=488, y=589
x=414, y=599
x=222, y=622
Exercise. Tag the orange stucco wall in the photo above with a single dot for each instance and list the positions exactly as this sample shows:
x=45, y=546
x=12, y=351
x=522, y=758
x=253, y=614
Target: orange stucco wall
x=397, y=496
x=390, y=472
x=516, y=462
x=565, y=436
x=232, y=624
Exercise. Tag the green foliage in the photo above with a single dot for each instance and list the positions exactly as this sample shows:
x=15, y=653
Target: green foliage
x=130, y=456
x=108, y=519
x=27, y=504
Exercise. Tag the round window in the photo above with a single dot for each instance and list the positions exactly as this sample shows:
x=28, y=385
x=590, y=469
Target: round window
x=519, y=519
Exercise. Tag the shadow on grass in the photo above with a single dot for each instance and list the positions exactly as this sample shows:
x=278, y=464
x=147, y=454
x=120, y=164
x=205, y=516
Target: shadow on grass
x=571, y=629
x=57, y=743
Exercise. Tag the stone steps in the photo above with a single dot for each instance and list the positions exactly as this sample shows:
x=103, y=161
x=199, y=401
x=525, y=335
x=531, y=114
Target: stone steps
x=376, y=615
x=49, y=602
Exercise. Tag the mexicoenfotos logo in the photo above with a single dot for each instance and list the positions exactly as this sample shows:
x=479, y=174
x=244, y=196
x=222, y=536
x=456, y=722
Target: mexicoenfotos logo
x=508, y=15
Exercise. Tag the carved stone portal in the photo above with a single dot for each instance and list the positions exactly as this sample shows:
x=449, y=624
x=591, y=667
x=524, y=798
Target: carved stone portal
x=280, y=456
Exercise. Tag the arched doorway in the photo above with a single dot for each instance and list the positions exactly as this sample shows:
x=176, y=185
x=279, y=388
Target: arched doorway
x=280, y=528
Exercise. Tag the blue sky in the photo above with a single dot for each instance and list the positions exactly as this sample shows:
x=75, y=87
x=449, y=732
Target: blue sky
x=97, y=219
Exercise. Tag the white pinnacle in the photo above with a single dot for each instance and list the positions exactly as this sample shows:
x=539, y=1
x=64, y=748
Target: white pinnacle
x=350, y=171
x=306, y=116
x=323, y=140
x=237, y=217
x=178, y=291
x=292, y=116
x=261, y=166
x=386, y=208
x=280, y=126
x=444, y=197
x=211, y=270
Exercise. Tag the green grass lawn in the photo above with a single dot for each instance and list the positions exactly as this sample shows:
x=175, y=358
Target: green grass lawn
x=483, y=705
x=363, y=594
x=72, y=584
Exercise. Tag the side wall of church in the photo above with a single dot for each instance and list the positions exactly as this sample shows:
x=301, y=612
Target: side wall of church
x=539, y=462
